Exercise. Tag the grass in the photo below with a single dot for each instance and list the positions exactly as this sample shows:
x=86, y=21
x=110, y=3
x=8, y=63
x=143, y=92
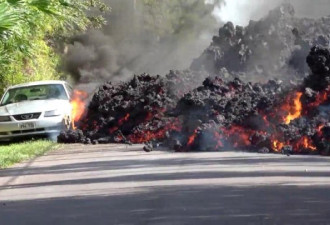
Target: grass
x=18, y=152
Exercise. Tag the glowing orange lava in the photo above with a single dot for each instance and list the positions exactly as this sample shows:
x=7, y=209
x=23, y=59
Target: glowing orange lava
x=277, y=145
x=294, y=110
x=320, y=98
x=305, y=143
x=120, y=123
x=146, y=136
x=124, y=119
x=78, y=103
x=192, y=138
x=319, y=130
x=240, y=136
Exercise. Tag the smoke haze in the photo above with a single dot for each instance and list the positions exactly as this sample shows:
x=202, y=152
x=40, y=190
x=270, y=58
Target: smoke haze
x=139, y=40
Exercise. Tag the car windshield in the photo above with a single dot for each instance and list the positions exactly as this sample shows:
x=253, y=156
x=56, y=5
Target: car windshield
x=37, y=92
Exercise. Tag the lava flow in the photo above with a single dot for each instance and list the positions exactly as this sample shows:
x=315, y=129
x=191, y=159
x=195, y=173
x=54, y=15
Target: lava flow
x=222, y=114
x=222, y=107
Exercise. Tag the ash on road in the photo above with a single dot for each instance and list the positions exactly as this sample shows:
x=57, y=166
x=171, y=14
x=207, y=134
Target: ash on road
x=118, y=184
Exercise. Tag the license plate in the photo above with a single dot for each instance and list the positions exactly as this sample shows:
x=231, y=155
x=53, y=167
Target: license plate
x=27, y=126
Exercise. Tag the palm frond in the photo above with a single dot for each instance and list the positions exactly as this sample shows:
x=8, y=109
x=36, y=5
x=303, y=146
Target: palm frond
x=8, y=18
x=44, y=6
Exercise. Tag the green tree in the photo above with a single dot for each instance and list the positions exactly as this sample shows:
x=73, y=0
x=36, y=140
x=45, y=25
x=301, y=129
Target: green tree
x=30, y=31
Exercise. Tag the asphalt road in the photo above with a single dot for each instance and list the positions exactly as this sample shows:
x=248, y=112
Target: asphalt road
x=116, y=184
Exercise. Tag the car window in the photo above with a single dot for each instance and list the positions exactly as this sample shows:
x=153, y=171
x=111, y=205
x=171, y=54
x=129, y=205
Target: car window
x=37, y=92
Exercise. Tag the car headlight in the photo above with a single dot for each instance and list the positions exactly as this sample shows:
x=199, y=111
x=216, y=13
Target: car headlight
x=53, y=113
x=4, y=118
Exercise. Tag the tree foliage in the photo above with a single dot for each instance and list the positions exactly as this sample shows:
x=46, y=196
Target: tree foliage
x=29, y=30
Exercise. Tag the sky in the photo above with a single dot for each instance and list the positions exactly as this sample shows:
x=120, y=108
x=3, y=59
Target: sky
x=240, y=12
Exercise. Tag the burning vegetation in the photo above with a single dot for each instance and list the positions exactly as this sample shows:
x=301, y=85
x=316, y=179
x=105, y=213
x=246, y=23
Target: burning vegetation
x=216, y=110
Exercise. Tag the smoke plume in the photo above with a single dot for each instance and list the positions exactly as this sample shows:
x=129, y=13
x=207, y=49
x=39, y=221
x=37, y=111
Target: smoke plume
x=142, y=39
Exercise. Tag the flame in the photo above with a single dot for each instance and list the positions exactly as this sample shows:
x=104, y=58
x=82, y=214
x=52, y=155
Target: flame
x=192, y=138
x=78, y=103
x=277, y=145
x=305, y=143
x=294, y=110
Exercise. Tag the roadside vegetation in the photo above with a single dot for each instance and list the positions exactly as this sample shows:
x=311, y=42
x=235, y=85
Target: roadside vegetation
x=18, y=152
x=33, y=34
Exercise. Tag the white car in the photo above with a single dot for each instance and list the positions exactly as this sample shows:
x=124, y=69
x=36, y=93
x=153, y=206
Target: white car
x=37, y=108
